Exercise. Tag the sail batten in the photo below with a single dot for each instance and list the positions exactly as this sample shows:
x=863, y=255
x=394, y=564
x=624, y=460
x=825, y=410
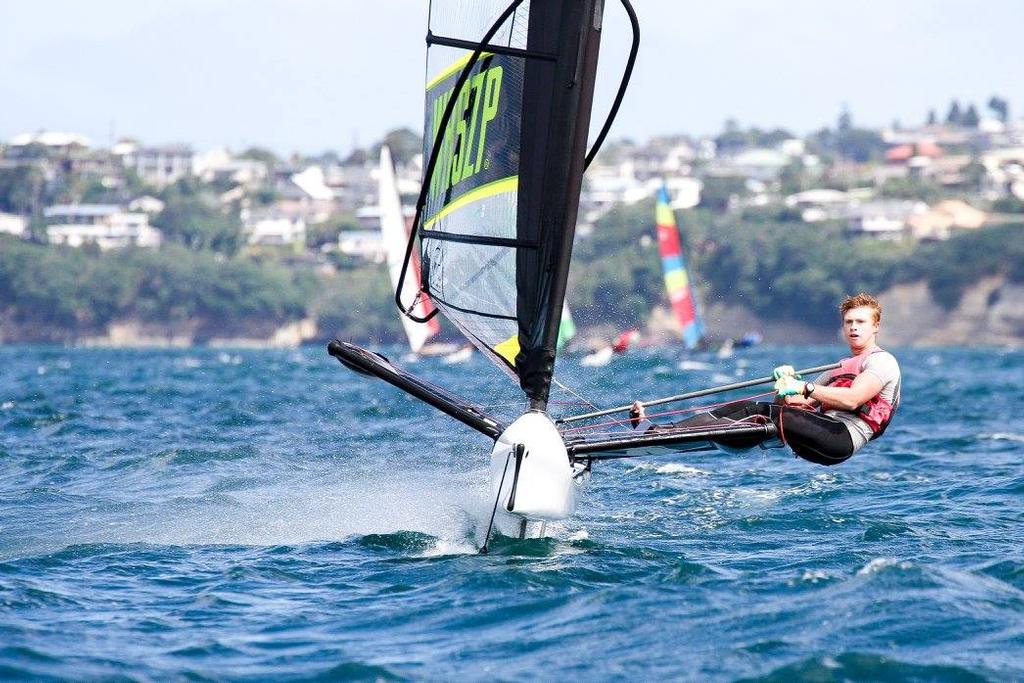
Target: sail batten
x=501, y=199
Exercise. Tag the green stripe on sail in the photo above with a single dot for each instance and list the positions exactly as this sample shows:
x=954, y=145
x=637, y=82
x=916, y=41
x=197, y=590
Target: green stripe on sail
x=510, y=184
x=453, y=68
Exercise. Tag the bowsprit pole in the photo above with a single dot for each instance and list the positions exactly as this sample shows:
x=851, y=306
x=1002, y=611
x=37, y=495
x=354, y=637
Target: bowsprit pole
x=694, y=394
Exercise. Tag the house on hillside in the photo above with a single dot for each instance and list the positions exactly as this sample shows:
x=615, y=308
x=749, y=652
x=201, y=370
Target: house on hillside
x=886, y=219
x=366, y=244
x=220, y=167
x=105, y=225
x=819, y=204
x=13, y=224
x=157, y=166
x=146, y=204
x=54, y=142
x=305, y=193
x=761, y=164
x=1004, y=173
x=273, y=228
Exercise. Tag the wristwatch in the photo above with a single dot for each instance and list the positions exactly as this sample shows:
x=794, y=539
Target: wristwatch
x=809, y=389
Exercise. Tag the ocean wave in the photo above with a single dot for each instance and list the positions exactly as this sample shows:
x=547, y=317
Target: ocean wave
x=856, y=666
x=880, y=564
x=1003, y=436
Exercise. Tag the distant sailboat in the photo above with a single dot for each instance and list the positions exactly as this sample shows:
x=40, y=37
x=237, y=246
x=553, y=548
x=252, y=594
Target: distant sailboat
x=566, y=328
x=395, y=233
x=677, y=279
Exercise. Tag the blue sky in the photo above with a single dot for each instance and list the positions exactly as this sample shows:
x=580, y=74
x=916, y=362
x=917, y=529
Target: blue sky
x=312, y=75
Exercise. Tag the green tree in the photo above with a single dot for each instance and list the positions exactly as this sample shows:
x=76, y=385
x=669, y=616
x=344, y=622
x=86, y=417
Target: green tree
x=200, y=225
x=21, y=189
x=860, y=144
x=910, y=188
x=954, y=117
x=970, y=118
x=403, y=143
x=731, y=139
x=717, y=192
x=1000, y=107
x=845, y=122
x=319, y=234
x=261, y=154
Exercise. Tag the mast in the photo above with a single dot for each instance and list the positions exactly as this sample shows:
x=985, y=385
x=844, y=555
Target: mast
x=575, y=28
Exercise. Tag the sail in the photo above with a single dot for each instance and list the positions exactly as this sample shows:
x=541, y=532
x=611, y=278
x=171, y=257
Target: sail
x=497, y=227
x=394, y=232
x=566, y=328
x=677, y=279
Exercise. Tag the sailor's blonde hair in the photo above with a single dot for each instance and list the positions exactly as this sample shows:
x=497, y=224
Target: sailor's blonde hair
x=859, y=300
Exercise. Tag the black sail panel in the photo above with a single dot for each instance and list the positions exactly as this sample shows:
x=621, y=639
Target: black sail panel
x=497, y=227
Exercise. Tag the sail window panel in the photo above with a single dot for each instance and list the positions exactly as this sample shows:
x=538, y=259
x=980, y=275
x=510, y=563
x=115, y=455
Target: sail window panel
x=471, y=20
x=475, y=278
x=474, y=285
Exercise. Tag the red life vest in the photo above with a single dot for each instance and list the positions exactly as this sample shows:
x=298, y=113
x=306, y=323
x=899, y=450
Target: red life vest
x=876, y=412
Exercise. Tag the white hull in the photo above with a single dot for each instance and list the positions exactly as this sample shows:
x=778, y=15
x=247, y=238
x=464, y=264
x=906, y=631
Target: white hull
x=543, y=487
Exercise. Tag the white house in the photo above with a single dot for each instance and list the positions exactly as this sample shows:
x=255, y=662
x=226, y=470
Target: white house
x=368, y=216
x=146, y=204
x=367, y=244
x=13, y=224
x=273, y=228
x=218, y=165
x=105, y=225
x=158, y=166
x=884, y=219
x=54, y=140
x=819, y=204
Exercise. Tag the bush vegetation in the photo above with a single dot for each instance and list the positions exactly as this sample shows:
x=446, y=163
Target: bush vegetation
x=777, y=268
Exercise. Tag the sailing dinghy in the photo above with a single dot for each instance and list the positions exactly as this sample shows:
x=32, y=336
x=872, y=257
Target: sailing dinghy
x=508, y=103
x=395, y=234
x=678, y=284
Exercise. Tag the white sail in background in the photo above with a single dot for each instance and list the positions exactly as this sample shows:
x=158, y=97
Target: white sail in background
x=395, y=233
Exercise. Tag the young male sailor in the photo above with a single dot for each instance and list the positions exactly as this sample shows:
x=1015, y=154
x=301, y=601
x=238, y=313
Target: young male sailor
x=829, y=419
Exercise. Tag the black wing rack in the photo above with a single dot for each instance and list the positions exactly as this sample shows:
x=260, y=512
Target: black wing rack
x=736, y=436
x=369, y=363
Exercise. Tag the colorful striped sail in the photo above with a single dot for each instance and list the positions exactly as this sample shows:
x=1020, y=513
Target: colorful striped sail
x=677, y=280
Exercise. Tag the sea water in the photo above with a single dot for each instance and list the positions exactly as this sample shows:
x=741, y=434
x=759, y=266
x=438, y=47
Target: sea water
x=205, y=514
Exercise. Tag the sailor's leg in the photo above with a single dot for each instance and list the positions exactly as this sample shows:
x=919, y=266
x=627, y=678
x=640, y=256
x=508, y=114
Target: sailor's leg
x=814, y=436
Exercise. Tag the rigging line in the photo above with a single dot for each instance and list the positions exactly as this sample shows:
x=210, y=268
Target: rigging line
x=574, y=393
x=428, y=173
x=695, y=409
x=623, y=84
x=494, y=511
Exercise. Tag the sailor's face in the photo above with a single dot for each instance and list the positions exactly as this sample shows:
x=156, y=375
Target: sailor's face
x=860, y=326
